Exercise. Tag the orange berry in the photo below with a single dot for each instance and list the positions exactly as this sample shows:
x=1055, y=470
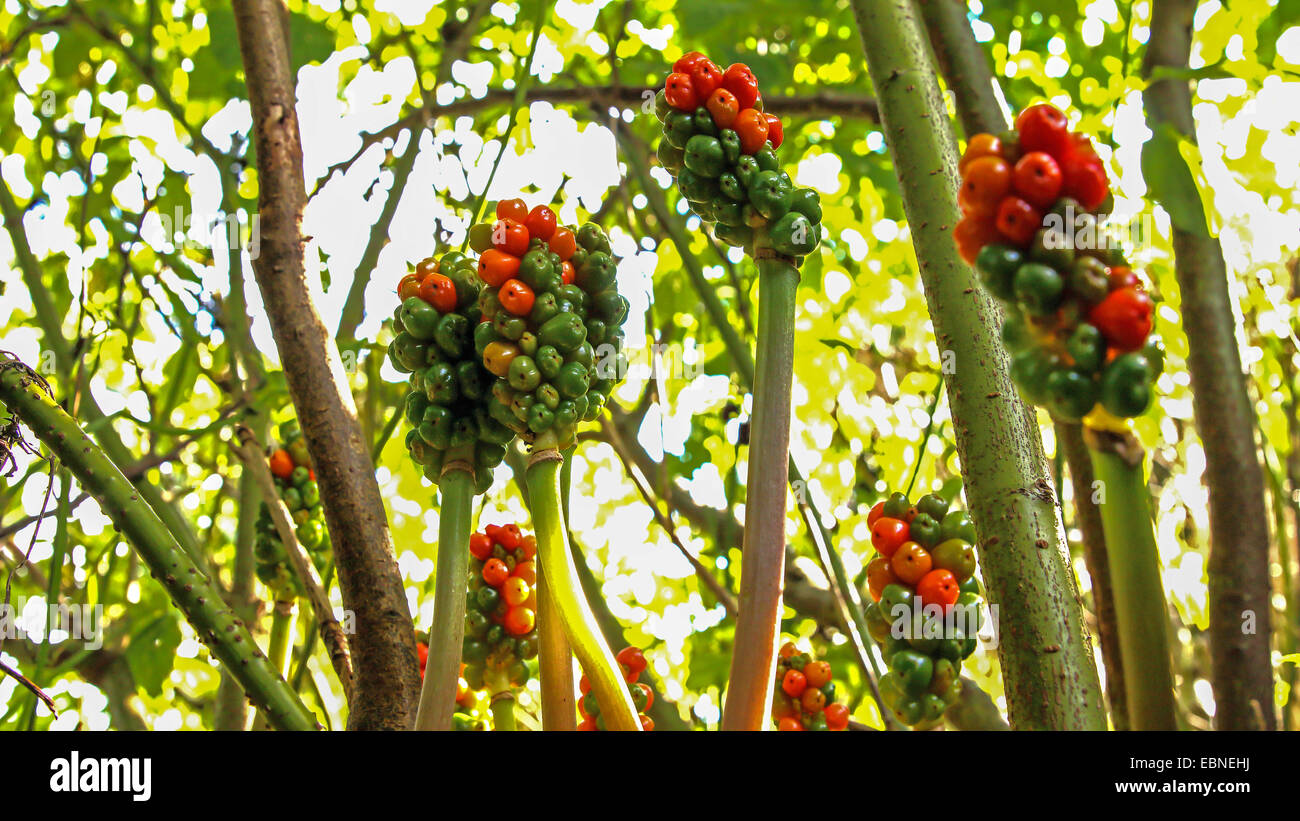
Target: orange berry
x=495, y=572
x=281, y=464
x=519, y=621
x=794, y=683
x=818, y=673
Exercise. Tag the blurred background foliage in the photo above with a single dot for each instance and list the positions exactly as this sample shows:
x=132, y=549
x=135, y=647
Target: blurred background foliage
x=125, y=142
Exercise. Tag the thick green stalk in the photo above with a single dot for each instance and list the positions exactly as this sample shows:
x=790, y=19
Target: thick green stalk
x=1140, y=607
x=1050, y=677
x=438, y=695
x=554, y=663
x=969, y=76
x=191, y=591
x=503, y=713
x=280, y=647
x=762, y=572
x=554, y=660
x=1240, y=587
x=543, y=476
x=1070, y=443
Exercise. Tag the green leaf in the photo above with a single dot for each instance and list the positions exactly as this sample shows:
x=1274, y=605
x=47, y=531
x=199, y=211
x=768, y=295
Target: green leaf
x=1171, y=182
x=152, y=652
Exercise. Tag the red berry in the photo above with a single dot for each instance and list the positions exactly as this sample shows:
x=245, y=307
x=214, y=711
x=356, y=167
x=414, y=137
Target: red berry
x=775, y=131
x=740, y=81
x=1086, y=182
x=687, y=61
x=1124, y=318
x=794, y=683
x=1037, y=178
x=1017, y=220
x=1043, y=127
x=706, y=78
x=938, y=587
x=680, y=93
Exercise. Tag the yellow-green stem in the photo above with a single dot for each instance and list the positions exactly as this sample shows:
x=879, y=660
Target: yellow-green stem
x=762, y=575
x=503, y=713
x=280, y=648
x=438, y=693
x=1140, y=608
x=574, y=613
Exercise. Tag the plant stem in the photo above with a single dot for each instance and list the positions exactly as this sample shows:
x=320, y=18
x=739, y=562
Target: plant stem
x=554, y=660
x=280, y=647
x=503, y=713
x=1140, y=607
x=575, y=614
x=762, y=572
x=191, y=591
x=1240, y=588
x=1069, y=441
x=438, y=695
x=1047, y=663
x=387, y=682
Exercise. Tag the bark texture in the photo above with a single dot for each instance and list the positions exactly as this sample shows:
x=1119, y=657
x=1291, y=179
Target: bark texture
x=1050, y=678
x=1241, y=669
x=387, y=682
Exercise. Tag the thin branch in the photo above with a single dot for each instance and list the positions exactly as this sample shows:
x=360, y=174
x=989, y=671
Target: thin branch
x=721, y=593
x=820, y=104
x=246, y=447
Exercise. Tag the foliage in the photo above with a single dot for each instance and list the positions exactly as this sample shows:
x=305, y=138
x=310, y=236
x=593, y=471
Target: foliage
x=126, y=121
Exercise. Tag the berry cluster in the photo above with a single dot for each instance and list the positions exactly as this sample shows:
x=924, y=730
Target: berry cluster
x=1078, y=320
x=500, y=621
x=721, y=147
x=296, y=483
x=551, y=315
x=434, y=344
x=925, y=607
x=805, y=694
x=631, y=661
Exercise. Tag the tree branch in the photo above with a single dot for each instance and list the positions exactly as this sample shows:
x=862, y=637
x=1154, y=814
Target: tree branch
x=1238, y=567
x=387, y=683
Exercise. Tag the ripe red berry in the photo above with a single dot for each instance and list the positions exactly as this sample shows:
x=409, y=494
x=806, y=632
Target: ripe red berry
x=740, y=81
x=680, y=93
x=1043, y=127
x=1037, y=178
x=1017, y=220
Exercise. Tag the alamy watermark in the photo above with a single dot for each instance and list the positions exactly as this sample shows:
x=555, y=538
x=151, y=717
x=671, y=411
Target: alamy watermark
x=215, y=231
x=1074, y=229
x=80, y=622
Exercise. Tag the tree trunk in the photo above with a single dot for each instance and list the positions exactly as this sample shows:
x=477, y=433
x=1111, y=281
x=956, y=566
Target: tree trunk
x=383, y=647
x=1050, y=678
x=968, y=75
x=1240, y=590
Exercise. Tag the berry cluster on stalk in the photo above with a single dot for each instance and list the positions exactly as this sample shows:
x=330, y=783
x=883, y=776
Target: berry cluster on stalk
x=925, y=603
x=721, y=147
x=631, y=662
x=296, y=483
x=551, y=314
x=448, y=385
x=501, y=617
x=1077, y=319
x=805, y=694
